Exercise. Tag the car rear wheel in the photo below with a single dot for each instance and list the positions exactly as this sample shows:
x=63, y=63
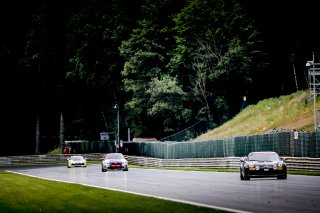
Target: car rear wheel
x=126, y=168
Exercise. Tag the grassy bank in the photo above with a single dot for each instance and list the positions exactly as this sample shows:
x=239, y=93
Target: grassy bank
x=20, y=193
x=294, y=111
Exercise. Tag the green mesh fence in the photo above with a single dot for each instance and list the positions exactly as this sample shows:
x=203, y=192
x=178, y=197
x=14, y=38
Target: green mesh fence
x=307, y=144
x=284, y=143
x=91, y=146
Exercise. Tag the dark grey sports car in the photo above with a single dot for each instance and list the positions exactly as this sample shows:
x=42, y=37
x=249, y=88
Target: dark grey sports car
x=262, y=164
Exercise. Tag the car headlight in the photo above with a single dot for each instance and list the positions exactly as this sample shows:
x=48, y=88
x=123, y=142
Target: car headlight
x=251, y=167
x=280, y=166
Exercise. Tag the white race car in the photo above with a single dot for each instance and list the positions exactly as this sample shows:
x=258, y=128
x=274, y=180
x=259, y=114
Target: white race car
x=114, y=161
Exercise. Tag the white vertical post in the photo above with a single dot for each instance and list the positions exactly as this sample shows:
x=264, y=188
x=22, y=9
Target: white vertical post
x=314, y=94
x=312, y=74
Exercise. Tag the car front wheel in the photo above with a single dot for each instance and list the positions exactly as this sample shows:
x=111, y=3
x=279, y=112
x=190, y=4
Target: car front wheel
x=282, y=176
x=243, y=176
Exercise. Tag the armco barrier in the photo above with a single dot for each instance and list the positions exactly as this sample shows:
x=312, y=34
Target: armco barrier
x=293, y=163
x=43, y=159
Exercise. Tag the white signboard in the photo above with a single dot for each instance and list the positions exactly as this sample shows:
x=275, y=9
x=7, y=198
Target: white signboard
x=104, y=136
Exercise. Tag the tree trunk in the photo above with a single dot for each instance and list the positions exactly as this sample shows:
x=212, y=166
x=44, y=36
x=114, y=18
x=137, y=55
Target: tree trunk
x=61, y=131
x=37, y=135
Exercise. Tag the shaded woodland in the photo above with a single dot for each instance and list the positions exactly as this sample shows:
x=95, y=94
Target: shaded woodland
x=167, y=64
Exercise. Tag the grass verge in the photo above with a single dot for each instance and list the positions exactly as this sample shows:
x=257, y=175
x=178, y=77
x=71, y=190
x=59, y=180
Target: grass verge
x=20, y=193
x=293, y=111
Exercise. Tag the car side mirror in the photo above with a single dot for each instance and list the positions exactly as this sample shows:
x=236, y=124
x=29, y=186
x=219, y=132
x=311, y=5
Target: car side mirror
x=242, y=160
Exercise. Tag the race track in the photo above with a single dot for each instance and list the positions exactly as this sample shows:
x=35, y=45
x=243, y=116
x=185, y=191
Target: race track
x=224, y=190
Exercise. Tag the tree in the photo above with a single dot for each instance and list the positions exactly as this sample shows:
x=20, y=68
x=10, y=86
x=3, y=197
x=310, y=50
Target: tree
x=215, y=46
x=147, y=53
x=40, y=68
x=167, y=101
x=95, y=30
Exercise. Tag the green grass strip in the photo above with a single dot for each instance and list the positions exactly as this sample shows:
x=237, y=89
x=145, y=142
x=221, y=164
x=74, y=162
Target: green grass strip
x=19, y=193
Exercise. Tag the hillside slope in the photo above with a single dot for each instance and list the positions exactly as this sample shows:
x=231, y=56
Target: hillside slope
x=294, y=111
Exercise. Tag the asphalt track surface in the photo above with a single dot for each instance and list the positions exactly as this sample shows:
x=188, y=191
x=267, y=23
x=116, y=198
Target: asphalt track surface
x=222, y=190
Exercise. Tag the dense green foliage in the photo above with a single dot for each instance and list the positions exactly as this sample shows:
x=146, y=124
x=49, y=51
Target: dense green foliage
x=167, y=64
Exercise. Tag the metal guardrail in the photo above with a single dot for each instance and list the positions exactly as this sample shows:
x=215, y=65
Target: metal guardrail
x=43, y=159
x=293, y=163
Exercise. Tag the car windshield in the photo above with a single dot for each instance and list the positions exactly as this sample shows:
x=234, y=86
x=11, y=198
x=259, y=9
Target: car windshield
x=263, y=157
x=76, y=158
x=114, y=156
